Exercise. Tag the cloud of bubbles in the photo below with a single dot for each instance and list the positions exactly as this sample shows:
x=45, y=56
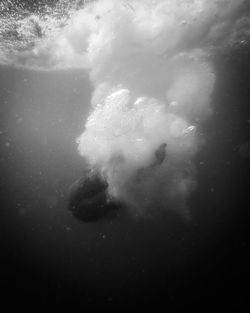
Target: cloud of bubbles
x=149, y=63
x=153, y=80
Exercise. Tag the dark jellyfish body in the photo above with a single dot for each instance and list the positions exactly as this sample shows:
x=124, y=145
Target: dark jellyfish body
x=88, y=199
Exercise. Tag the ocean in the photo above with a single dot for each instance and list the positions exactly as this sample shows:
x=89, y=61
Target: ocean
x=100, y=85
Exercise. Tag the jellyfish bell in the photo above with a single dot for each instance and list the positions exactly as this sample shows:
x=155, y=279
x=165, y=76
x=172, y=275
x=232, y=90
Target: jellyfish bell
x=88, y=200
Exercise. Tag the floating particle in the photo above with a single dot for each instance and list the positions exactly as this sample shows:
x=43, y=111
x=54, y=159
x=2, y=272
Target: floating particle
x=68, y=228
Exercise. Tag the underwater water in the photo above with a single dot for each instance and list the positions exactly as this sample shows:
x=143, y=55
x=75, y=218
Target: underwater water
x=102, y=86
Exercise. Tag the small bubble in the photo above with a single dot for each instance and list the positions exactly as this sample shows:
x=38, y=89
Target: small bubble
x=189, y=130
x=68, y=228
x=173, y=103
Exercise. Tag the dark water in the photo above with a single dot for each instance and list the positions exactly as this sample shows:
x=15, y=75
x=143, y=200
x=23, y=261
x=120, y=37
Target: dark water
x=49, y=257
